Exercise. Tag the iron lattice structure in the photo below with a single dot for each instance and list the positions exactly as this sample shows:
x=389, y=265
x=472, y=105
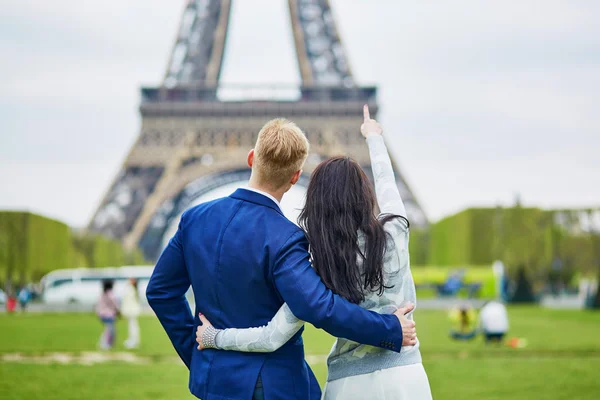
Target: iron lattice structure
x=192, y=140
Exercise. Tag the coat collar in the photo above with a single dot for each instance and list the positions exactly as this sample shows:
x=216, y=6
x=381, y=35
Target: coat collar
x=256, y=198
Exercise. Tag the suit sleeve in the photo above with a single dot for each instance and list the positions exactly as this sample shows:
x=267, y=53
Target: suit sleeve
x=166, y=295
x=310, y=300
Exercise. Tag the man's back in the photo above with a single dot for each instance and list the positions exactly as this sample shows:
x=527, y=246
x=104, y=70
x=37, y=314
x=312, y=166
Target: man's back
x=229, y=247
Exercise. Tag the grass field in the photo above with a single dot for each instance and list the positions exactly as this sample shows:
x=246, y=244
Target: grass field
x=561, y=360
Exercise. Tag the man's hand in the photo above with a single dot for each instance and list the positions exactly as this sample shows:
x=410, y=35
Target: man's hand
x=369, y=127
x=409, y=332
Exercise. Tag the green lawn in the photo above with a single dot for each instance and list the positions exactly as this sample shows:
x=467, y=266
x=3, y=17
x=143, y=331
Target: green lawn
x=561, y=360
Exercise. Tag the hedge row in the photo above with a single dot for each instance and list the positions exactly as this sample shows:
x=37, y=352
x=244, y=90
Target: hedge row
x=32, y=245
x=450, y=242
x=95, y=251
x=528, y=237
x=419, y=246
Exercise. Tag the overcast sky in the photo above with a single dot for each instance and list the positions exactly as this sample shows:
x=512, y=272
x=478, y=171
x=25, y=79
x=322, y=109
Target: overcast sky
x=479, y=100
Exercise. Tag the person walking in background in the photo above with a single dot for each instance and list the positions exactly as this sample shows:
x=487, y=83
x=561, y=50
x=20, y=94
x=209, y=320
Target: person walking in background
x=11, y=301
x=107, y=310
x=131, y=308
x=24, y=297
x=494, y=321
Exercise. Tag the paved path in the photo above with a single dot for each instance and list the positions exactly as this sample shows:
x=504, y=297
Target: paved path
x=84, y=358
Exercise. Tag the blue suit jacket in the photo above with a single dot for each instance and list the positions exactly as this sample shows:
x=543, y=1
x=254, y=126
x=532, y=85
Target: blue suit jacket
x=244, y=259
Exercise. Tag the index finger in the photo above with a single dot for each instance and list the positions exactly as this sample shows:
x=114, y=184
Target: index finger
x=366, y=113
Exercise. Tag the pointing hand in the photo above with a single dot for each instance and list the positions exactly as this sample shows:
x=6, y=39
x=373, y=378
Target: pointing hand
x=369, y=127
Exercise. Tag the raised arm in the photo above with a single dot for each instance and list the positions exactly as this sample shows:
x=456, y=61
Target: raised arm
x=262, y=339
x=388, y=196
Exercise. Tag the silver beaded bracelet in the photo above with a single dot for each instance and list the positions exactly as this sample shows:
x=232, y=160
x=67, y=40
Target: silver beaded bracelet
x=208, y=337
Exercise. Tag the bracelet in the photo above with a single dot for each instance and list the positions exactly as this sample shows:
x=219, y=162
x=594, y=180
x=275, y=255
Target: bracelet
x=208, y=337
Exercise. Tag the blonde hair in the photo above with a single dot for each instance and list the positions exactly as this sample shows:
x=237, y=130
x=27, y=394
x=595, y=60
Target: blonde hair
x=280, y=151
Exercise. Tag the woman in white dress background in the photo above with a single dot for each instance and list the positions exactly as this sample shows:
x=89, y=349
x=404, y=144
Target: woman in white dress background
x=361, y=257
x=130, y=309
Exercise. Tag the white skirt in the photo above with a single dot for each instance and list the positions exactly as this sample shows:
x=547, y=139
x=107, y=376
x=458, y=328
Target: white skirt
x=407, y=382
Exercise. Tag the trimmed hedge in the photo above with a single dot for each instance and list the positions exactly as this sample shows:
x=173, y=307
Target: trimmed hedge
x=32, y=245
x=96, y=251
x=518, y=236
x=419, y=246
x=450, y=242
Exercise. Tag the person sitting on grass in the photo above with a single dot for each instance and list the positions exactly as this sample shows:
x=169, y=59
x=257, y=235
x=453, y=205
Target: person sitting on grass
x=465, y=319
x=494, y=321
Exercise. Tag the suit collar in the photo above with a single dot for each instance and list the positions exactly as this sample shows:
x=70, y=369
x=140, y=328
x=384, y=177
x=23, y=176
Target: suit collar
x=256, y=198
x=264, y=194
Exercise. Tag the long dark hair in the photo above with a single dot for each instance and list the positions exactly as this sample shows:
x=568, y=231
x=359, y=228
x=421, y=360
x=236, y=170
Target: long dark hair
x=107, y=285
x=339, y=203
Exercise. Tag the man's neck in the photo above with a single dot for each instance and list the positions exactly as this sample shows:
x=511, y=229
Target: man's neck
x=276, y=194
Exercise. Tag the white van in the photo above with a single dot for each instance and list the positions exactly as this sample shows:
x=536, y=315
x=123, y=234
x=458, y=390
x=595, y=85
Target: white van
x=83, y=286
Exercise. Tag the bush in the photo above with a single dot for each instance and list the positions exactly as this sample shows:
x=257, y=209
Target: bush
x=97, y=251
x=518, y=236
x=32, y=245
x=523, y=291
x=451, y=240
x=419, y=246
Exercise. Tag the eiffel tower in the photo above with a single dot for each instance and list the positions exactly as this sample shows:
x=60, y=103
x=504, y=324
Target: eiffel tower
x=193, y=140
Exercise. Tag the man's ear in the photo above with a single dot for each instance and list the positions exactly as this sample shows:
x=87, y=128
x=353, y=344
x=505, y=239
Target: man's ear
x=251, y=158
x=296, y=177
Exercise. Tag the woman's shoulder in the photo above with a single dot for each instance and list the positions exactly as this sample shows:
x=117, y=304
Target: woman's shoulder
x=396, y=227
x=396, y=247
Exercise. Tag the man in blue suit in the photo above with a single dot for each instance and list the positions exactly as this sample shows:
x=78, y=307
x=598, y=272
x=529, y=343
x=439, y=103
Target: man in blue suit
x=244, y=259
